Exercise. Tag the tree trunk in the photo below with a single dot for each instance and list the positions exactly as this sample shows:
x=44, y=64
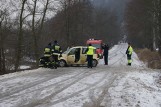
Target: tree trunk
x=0, y=49
x=159, y=21
x=67, y=18
x=154, y=24
x=3, y=61
x=34, y=34
x=41, y=27
x=20, y=34
x=2, y=55
x=44, y=15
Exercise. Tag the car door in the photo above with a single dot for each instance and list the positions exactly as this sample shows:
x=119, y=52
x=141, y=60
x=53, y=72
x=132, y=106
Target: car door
x=77, y=55
x=71, y=56
x=83, y=55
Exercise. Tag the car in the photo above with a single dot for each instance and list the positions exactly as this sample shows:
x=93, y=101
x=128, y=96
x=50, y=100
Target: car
x=76, y=56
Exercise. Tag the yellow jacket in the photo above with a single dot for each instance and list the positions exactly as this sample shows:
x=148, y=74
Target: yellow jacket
x=90, y=50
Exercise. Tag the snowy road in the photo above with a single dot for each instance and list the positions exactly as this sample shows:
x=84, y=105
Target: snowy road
x=115, y=85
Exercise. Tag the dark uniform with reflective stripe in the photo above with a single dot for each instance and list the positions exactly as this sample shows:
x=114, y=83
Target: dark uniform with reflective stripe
x=56, y=51
x=47, y=55
x=105, y=53
x=42, y=62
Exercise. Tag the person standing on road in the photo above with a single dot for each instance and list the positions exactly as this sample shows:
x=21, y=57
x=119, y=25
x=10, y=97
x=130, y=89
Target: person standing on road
x=56, y=51
x=105, y=48
x=90, y=51
x=129, y=53
x=47, y=55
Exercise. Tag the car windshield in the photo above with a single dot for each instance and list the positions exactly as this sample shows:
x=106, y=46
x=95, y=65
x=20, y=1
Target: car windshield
x=65, y=52
x=96, y=45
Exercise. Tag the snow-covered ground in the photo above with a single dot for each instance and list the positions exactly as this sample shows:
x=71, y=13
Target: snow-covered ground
x=115, y=85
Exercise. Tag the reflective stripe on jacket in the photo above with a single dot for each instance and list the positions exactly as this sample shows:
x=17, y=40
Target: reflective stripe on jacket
x=130, y=50
x=90, y=50
x=47, y=51
x=56, y=49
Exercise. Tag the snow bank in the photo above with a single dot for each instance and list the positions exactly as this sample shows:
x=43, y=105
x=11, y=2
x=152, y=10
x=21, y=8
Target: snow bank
x=136, y=89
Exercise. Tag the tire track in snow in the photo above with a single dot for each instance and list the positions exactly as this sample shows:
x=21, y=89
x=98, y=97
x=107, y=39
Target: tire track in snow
x=77, y=79
x=96, y=102
x=80, y=91
x=121, y=75
x=74, y=94
x=118, y=52
x=99, y=100
x=114, y=52
x=9, y=93
x=15, y=75
x=18, y=89
x=107, y=85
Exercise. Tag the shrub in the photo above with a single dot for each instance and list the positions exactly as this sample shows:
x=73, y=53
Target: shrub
x=153, y=59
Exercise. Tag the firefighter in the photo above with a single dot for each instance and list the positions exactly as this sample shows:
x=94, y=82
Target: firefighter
x=42, y=62
x=47, y=55
x=90, y=52
x=105, y=48
x=56, y=51
x=129, y=53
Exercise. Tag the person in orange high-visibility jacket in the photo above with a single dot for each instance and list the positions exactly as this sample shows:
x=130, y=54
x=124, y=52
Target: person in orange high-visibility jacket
x=90, y=51
x=129, y=54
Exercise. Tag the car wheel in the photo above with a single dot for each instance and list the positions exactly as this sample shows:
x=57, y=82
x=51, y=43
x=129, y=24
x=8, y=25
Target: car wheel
x=62, y=63
x=94, y=62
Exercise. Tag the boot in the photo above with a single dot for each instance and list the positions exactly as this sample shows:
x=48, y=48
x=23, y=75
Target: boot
x=129, y=64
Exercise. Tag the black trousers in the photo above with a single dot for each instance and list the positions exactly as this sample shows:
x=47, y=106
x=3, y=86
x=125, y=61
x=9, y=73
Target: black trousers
x=129, y=59
x=55, y=61
x=47, y=61
x=106, y=59
x=90, y=59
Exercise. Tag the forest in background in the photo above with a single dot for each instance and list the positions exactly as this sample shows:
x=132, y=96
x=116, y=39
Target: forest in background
x=143, y=23
x=22, y=42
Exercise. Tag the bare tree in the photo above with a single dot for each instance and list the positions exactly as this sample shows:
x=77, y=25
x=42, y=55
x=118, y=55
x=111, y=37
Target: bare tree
x=40, y=29
x=37, y=25
x=20, y=36
x=78, y=19
x=34, y=32
x=2, y=56
x=143, y=29
x=4, y=31
x=44, y=15
x=159, y=20
x=66, y=5
x=155, y=13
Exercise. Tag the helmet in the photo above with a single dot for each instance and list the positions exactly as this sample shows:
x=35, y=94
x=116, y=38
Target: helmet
x=90, y=44
x=129, y=43
x=55, y=41
x=49, y=44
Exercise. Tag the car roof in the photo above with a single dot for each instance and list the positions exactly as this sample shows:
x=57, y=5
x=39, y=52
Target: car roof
x=79, y=47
